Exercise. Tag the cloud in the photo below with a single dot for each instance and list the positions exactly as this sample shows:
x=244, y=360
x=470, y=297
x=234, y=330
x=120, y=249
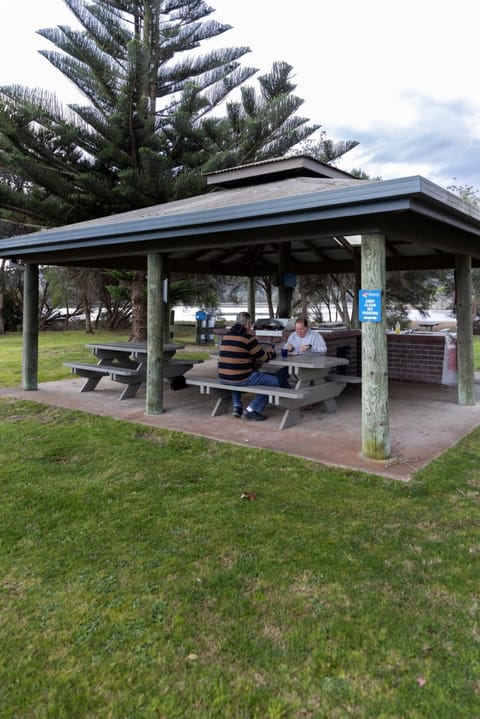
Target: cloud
x=442, y=143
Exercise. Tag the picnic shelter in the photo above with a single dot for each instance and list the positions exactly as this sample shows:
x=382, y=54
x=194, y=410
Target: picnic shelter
x=278, y=217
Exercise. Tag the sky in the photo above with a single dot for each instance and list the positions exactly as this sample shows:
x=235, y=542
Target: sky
x=400, y=77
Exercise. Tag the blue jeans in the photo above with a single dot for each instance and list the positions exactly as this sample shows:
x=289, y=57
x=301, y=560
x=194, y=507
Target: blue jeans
x=256, y=378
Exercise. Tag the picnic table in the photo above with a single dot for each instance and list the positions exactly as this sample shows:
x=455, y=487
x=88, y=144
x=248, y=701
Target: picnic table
x=126, y=363
x=121, y=352
x=430, y=324
x=310, y=370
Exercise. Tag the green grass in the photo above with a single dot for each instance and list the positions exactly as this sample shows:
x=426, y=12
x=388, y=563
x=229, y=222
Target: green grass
x=58, y=347
x=476, y=352
x=135, y=583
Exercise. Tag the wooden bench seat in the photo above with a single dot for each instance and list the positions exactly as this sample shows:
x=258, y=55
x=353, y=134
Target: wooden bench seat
x=92, y=372
x=275, y=393
x=132, y=377
x=176, y=367
x=291, y=400
x=347, y=378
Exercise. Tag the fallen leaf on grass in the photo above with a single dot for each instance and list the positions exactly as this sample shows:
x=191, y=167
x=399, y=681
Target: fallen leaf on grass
x=248, y=495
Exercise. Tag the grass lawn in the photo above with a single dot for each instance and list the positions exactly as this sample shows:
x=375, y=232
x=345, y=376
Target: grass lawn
x=58, y=347
x=476, y=352
x=135, y=583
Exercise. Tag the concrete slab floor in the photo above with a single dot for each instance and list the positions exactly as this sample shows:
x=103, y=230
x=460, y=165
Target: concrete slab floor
x=425, y=421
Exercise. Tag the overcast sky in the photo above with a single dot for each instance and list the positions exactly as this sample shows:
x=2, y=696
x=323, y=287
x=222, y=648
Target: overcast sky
x=399, y=77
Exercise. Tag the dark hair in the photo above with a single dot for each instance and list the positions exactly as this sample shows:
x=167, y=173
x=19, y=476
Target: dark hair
x=301, y=320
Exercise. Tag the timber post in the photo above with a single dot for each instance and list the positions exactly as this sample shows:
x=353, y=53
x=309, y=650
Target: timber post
x=166, y=299
x=375, y=406
x=285, y=294
x=251, y=297
x=30, y=328
x=155, y=334
x=465, y=363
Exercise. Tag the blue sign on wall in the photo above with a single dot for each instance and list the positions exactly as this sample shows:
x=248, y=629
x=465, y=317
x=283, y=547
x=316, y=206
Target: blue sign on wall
x=370, y=305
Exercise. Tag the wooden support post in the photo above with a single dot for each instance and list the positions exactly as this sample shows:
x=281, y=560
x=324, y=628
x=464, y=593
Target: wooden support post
x=155, y=335
x=251, y=297
x=285, y=294
x=30, y=328
x=358, y=286
x=375, y=409
x=465, y=362
x=166, y=307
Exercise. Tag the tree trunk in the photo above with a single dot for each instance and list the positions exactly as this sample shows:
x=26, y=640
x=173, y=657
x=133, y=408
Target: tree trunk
x=139, y=308
x=271, y=311
x=2, y=306
x=2, y=297
x=285, y=294
x=88, y=313
x=88, y=324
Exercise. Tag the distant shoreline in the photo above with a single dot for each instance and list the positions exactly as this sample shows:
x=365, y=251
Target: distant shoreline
x=229, y=312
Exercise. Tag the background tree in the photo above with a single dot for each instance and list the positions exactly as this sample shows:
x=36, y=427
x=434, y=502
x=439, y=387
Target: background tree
x=471, y=195
x=335, y=294
x=260, y=126
x=404, y=290
x=152, y=122
x=151, y=125
x=330, y=293
x=135, y=64
x=329, y=151
x=11, y=282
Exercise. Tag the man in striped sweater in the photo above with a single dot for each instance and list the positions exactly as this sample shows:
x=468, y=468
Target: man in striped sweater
x=238, y=354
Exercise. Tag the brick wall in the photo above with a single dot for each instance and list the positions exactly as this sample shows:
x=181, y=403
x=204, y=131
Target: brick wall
x=345, y=343
x=411, y=357
x=416, y=357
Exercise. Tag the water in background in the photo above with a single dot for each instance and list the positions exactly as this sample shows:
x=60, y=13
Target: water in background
x=230, y=311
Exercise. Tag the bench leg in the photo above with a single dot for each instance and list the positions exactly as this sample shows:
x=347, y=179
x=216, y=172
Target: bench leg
x=290, y=418
x=90, y=384
x=130, y=390
x=330, y=405
x=221, y=406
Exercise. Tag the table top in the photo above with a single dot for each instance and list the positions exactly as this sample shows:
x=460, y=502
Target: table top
x=130, y=347
x=309, y=360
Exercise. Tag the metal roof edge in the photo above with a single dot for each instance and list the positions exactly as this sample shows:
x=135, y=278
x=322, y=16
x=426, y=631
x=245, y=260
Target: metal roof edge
x=368, y=193
x=260, y=209
x=446, y=197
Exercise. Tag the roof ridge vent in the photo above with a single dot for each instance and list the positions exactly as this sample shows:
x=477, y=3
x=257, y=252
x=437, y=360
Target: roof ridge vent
x=279, y=168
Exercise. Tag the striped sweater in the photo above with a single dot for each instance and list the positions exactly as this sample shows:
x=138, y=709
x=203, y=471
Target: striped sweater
x=237, y=356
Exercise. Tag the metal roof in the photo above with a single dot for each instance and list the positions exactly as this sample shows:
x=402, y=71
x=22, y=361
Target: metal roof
x=239, y=231
x=273, y=169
